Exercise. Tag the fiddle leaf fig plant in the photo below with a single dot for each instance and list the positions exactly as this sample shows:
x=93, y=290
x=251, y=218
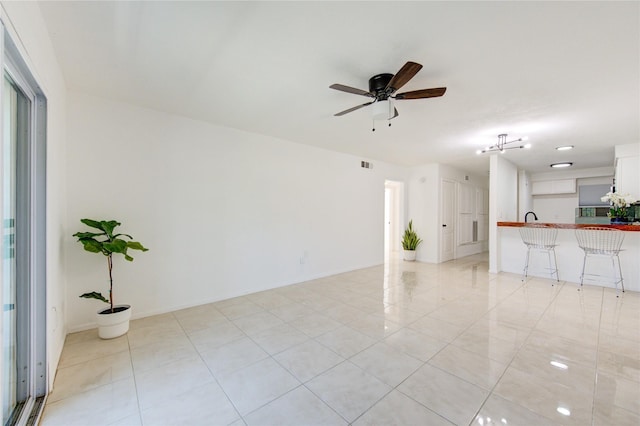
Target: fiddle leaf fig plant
x=107, y=243
x=410, y=240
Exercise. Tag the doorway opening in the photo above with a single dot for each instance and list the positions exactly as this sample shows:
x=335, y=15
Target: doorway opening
x=393, y=214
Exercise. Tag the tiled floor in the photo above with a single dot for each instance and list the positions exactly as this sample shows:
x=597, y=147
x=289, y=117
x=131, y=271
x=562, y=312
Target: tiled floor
x=405, y=344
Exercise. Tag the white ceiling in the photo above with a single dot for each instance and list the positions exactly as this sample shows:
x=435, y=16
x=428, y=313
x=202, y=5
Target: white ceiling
x=561, y=73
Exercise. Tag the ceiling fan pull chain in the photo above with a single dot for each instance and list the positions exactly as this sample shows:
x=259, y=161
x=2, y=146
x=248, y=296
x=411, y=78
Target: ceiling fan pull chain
x=374, y=125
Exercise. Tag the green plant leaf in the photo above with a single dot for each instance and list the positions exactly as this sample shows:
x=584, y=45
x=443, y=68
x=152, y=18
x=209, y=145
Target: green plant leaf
x=82, y=235
x=94, y=295
x=116, y=246
x=108, y=226
x=92, y=245
x=92, y=223
x=136, y=246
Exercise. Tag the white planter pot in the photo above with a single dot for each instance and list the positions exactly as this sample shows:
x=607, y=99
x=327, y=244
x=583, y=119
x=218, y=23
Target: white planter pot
x=116, y=324
x=410, y=255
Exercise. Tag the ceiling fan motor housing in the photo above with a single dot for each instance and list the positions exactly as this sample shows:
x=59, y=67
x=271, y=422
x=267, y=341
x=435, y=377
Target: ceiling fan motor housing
x=378, y=84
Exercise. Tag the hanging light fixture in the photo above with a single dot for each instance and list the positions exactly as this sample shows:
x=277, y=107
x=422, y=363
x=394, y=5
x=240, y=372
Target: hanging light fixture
x=501, y=146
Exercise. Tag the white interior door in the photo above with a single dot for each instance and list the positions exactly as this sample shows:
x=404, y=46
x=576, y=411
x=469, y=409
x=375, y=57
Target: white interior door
x=447, y=216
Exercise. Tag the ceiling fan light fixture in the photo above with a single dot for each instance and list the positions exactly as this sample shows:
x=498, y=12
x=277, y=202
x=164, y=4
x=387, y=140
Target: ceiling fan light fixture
x=381, y=110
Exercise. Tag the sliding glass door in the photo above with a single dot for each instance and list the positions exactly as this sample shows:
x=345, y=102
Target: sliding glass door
x=22, y=169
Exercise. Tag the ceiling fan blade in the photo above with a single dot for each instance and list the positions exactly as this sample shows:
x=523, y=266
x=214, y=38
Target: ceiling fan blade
x=353, y=90
x=405, y=74
x=421, y=94
x=347, y=111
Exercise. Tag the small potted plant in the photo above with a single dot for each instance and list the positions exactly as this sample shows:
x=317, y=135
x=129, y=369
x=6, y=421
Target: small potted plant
x=619, y=206
x=114, y=320
x=410, y=242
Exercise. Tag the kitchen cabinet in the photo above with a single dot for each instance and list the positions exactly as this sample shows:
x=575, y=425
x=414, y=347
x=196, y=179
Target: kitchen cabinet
x=548, y=187
x=628, y=176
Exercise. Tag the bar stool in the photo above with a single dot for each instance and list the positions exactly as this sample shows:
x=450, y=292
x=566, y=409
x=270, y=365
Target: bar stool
x=604, y=242
x=540, y=238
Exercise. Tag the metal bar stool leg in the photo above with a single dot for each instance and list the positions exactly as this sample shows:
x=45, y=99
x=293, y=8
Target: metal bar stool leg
x=555, y=266
x=526, y=265
x=620, y=272
x=584, y=263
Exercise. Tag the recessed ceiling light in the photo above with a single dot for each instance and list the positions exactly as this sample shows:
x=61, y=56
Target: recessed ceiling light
x=560, y=165
x=564, y=148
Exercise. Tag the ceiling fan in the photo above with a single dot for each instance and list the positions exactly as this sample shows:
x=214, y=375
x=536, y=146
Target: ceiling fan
x=383, y=87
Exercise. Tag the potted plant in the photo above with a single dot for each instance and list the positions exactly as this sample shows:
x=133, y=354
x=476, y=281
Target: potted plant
x=113, y=321
x=410, y=242
x=619, y=206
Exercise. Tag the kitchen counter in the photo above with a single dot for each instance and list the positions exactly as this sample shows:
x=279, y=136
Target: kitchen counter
x=511, y=253
x=627, y=227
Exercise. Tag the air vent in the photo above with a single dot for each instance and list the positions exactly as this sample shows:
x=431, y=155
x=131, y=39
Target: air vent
x=366, y=165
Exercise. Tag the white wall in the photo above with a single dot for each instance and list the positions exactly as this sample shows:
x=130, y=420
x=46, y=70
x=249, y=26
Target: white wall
x=27, y=29
x=224, y=212
x=425, y=199
x=503, y=203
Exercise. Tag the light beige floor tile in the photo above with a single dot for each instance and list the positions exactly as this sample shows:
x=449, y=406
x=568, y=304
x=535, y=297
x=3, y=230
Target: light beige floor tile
x=343, y=313
x=561, y=404
x=164, y=321
x=232, y=356
x=619, y=365
x=162, y=352
x=279, y=338
x=447, y=395
x=618, y=345
x=240, y=309
x=214, y=337
x=397, y=409
x=454, y=315
x=386, y=363
x=555, y=367
x=200, y=405
x=132, y=420
x=487, y=346
x=498, y=411
x=291, y=312
x=400, y=315
x=345, y=341
x=315, y=324
x=193, y=320
x=473, y=368
x=306, y=360
x=560, y=347
x=349, y=390
x=257, y=323
x=439, y=329
x=81, y=336
x=269, y=299
x=295, y=408
x=166, y=382
x=415, y=344
x=88, y=375
x=91, y=349
x=607, y=415
x=148, y=335
x=618, y=391
x=100, y=406
x=375, y=326
x=256, y=385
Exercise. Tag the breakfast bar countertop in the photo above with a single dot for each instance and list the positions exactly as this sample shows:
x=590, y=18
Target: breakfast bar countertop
x=623, y=227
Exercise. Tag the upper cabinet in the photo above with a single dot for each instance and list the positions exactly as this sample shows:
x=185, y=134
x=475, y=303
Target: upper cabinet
x=628, y=169
x=558, y=186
